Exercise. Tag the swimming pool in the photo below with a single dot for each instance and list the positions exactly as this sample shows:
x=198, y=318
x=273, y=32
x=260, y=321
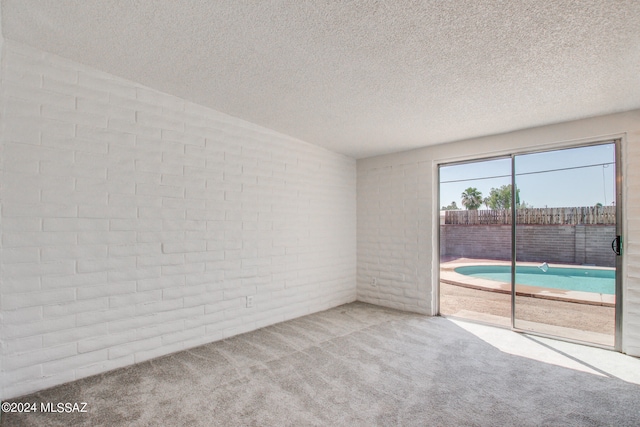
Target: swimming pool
x=600, y=281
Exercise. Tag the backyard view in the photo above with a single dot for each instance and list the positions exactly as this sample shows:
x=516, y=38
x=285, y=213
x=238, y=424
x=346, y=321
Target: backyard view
x=565, y=222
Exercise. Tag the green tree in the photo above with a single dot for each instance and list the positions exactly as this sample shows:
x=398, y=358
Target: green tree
x=472, y=198
x=524, y=205
x=500, y=198
x=452, y=207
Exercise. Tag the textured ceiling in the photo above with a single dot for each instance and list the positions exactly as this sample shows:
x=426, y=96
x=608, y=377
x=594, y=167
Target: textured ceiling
x=361, y=77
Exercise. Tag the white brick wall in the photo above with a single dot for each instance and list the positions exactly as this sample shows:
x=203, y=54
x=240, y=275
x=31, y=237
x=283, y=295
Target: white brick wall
x=393, y=211
x=134, y=223
x=398, y=213
x=14, y=255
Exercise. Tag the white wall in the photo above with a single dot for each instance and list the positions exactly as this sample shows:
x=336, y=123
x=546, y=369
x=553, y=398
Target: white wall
x=394, y=209
x=134, y=224
x=398, y=213
x=1, y=186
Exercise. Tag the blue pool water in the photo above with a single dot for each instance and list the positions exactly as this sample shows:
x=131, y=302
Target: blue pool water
x=573, y=279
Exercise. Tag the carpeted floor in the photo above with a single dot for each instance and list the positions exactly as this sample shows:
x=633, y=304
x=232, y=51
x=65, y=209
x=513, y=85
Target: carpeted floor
x=355, y=365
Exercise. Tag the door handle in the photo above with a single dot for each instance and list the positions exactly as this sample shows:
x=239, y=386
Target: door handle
x=616, y=245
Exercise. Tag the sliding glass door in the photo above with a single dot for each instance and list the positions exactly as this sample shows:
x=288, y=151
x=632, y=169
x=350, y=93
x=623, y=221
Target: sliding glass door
x=529, y=241
x=565, y=272
x=473, y=237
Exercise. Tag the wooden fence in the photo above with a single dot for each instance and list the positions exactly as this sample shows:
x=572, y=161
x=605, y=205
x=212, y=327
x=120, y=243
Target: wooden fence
x=605, y=215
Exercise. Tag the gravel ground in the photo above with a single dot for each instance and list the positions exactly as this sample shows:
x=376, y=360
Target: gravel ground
x=592, y=318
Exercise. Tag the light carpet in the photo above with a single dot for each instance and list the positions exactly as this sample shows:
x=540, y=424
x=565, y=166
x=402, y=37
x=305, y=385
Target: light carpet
x=354, y=365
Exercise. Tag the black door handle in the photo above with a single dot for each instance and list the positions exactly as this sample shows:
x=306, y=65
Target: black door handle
x=616, y=245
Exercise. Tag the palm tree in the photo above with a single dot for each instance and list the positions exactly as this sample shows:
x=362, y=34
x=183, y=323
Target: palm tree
x=472, y=198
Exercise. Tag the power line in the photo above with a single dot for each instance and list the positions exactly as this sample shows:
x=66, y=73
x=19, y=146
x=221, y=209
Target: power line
x=528, y=173
x=566, y=169
x=475, y=179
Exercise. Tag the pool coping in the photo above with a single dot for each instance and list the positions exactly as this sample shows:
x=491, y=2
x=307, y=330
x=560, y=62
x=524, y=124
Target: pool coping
x=450, y=276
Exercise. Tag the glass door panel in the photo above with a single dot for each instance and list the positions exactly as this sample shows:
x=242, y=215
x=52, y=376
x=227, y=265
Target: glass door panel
x=565, y=269
x=475, y=236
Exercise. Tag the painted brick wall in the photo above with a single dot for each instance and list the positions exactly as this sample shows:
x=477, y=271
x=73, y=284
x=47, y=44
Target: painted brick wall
x=2, y=113
x=393, y=245
x=134, y=224
x=631, y=238
x=590, y=244
x=388, y=218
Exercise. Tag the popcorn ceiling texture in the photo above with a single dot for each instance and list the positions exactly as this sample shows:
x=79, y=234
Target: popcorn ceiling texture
x=134, y=224
x=360, y=78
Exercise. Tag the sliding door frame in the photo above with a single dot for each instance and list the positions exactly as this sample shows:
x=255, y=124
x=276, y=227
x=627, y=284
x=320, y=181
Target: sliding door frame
x=617, y=141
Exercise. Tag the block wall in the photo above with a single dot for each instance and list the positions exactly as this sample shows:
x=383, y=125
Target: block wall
x=563, y=244
x=135, y=224
x=393, y=221
x=476, y=241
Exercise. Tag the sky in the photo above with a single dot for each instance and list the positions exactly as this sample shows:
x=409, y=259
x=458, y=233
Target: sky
x=540, y=182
